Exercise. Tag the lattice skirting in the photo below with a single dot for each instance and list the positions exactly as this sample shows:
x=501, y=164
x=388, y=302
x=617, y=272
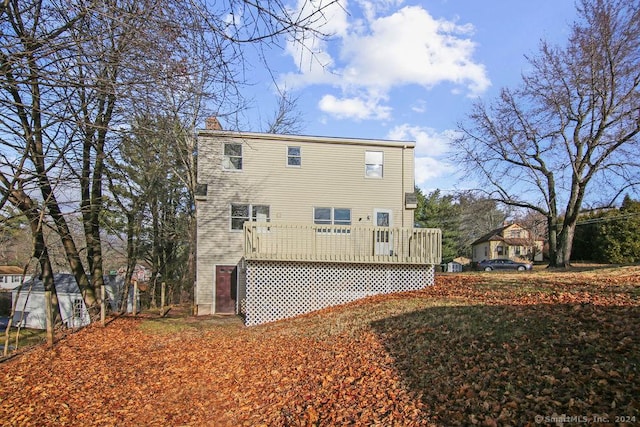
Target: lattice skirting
x=277, y=290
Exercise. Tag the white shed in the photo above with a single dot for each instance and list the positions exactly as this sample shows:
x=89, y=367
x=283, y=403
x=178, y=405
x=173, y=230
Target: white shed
x=28, y=300
x=454, y=267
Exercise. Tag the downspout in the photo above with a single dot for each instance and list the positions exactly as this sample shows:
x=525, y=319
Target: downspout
x=404, y=147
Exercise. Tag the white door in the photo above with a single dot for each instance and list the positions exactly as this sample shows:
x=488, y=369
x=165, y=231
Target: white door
x=383, y=238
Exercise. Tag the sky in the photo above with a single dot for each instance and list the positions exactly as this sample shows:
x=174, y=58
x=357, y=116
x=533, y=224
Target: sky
x=408, y=70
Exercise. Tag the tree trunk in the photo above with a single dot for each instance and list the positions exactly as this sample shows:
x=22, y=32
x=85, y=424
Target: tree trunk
x=191, y=264
x=25, y=204
x=552, y=224
x=131, y=256
x=92, y=201
x=70, y=249
x=565, y=244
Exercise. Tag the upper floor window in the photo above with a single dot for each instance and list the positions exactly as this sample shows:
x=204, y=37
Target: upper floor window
x=373, y=164
x=245, y=212
x=294, y=156
x=517, y=233
x=232, y=156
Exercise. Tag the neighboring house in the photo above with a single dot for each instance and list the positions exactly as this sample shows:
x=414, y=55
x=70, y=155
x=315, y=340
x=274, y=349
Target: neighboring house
x=290, y=224
x=29, y=301
x=10, y=276
x=507, y=242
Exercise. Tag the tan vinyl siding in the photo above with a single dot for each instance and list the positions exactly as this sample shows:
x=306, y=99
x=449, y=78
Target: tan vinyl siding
x=332, y=174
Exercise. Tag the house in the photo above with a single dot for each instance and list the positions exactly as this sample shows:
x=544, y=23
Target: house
x=288, y=224
x=10, y=276
x=508, y=242
x=29, y=301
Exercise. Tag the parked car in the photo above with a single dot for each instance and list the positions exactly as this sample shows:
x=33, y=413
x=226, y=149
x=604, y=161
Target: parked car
x=503, y=264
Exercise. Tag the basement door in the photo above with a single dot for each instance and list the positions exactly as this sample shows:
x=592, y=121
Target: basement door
x=226, y=282
x=383, y=237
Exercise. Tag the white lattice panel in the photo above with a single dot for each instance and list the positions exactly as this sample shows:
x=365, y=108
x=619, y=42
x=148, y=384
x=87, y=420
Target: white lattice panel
x=277, y=290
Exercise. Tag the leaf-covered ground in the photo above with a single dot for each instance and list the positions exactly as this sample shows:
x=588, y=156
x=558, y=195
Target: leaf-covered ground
x=486, y=349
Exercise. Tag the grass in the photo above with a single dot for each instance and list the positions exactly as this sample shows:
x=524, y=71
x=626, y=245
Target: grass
x=27, y=338
x=178, y=325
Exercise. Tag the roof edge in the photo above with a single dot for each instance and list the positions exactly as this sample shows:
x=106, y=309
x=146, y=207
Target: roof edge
x=304, y=138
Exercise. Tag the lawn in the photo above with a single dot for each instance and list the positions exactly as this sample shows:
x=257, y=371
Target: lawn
x=475, y=349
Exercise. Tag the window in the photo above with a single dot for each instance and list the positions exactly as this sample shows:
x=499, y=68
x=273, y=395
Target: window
x=78, y=312
x=342, y=216
x=294, y=156
x=239, y=214
x=322, y=215
x=332, y=216
x=500, y=250
x=232, y=157
x=242, y=213
x=515, y=234
x=373, y=164
x=260, y=213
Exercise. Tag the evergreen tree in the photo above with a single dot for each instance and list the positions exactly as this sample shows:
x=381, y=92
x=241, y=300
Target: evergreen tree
x=611, y=236
x=620, y=238
x=440, y=211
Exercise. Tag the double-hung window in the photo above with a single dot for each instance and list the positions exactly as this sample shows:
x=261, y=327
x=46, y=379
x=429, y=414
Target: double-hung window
x=332, y=216
x=232, y=159
x=247, y=212
x=294, y=156
x=373, y=164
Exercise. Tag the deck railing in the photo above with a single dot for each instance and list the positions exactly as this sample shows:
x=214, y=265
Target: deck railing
x=334, y=243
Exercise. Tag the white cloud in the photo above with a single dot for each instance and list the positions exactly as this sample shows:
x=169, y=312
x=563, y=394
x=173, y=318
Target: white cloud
x=355, y=108
x=371, y=8
x=432, y=148
x=429, y=142
x=429, y=169
x=311, y=53
x=410, y=47
x=373, y=54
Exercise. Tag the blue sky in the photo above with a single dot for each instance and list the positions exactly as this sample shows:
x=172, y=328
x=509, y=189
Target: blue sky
x=408, y=70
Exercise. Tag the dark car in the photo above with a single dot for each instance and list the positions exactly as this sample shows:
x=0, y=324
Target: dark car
x=503, y=264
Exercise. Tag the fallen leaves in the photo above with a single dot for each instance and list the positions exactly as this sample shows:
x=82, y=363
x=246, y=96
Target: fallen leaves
x=475, y=349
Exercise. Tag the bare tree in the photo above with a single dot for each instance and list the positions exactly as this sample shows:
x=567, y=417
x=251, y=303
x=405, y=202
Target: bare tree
x=73, y=72
x=287, y=119
x=574, y=121
x=14, y=192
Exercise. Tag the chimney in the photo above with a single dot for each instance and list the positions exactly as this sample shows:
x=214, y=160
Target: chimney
x=212, y=123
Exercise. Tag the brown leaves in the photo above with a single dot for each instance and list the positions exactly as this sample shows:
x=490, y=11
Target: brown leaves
x=475, y=349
